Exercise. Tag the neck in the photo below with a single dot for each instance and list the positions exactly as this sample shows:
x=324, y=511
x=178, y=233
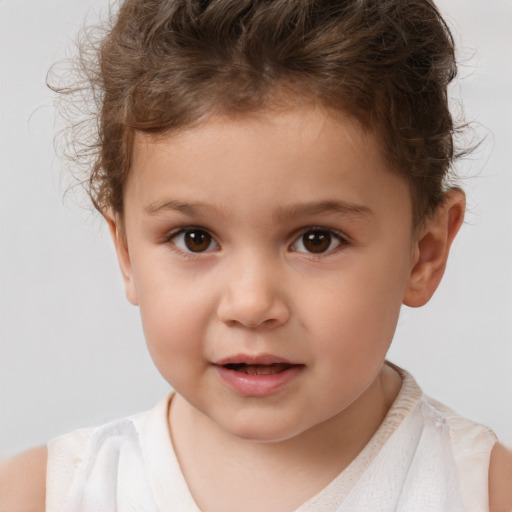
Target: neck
x=296, y=468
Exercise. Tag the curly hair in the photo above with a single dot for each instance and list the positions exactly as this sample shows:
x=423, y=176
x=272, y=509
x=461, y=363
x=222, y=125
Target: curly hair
x=164, y=65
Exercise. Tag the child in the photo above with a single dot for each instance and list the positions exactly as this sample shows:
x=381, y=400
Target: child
x=274, y=176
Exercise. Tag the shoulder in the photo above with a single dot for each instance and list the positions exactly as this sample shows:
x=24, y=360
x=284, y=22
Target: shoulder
x=23, y=481
x=476, y=452
x=471, y=445
x=500, y=479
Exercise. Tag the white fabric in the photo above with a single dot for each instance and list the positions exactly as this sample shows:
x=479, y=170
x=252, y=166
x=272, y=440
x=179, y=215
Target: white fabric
x=112, y=476
x=423, y=458
x=415, y=470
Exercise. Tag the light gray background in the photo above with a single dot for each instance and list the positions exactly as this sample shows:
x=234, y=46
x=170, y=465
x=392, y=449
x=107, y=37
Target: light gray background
x=72, y=350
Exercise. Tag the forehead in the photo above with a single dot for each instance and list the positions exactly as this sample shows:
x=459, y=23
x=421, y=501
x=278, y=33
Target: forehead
x=274, y=156
x=274, y=136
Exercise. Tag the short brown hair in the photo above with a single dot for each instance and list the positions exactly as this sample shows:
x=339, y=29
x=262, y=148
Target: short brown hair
x=164, y=65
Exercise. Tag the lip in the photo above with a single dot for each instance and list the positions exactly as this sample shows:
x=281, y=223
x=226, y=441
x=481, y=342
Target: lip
x=264, y=359
x=257, y=385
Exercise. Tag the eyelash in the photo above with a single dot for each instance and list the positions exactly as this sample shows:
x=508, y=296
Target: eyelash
x=333, y=236
x=190, y=230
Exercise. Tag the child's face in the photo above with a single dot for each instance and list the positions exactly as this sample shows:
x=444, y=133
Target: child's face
x=278, y=239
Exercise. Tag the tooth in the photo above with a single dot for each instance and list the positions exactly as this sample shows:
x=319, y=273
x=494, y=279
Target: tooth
x=258, y=369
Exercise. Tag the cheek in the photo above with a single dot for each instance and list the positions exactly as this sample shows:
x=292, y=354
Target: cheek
x=175, y=316
x=353, y=336
x=360, y=329
x=356, y=314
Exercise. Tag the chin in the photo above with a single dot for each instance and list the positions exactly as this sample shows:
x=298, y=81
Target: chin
x=263, y=431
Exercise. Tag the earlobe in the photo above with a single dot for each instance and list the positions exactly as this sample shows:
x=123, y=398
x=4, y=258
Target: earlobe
x=432, y=248
x=123, y=255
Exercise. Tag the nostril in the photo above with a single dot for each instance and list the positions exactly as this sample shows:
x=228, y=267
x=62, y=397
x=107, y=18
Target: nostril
x=253, y=304
x=266, y=323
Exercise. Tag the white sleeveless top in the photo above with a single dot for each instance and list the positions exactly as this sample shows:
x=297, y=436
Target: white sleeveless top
x=423, y=458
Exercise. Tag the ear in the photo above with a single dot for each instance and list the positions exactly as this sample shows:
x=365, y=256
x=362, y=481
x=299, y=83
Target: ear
x=117, y=232
x=432, y=247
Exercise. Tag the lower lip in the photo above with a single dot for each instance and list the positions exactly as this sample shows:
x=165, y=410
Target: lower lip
x=258, y=385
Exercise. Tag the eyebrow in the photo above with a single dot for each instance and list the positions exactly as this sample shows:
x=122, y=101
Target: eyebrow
x=176, y=206
x=280, y=214
x=322, y=207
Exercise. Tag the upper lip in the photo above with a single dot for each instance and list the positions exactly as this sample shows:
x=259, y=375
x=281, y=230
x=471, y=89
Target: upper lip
x=253, y=359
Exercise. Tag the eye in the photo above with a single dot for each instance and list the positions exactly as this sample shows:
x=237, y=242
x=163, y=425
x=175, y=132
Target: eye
x=194, y=240
x=317, y=241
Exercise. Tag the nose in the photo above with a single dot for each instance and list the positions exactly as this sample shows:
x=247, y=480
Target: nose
x=253, y=296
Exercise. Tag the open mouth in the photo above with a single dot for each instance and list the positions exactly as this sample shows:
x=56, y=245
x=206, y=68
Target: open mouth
x=259, y=375
x=259, y=369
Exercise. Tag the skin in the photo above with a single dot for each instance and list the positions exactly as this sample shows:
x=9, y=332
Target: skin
x=256, y=290
x=266, y=183
x=23, y=481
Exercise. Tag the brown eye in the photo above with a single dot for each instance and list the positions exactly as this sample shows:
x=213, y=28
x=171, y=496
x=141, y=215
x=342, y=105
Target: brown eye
x=194, y=240
x=317, y=241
